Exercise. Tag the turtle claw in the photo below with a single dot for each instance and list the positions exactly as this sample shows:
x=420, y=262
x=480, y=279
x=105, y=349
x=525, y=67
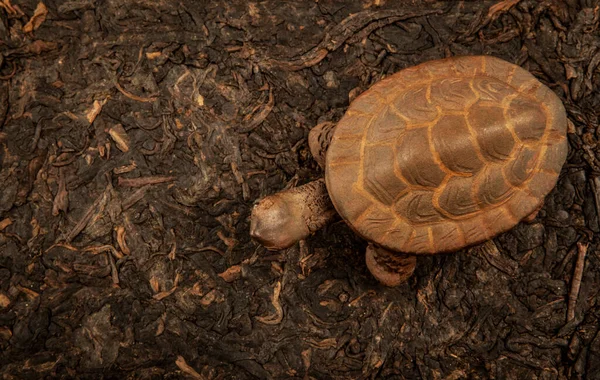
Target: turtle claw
x=389, y=268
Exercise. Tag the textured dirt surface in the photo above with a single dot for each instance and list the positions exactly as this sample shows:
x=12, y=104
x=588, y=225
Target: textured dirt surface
x=135, y=136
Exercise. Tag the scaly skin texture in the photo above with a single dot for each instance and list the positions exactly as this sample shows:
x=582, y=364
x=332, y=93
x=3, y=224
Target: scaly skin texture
x=389, y=268
x=318, y=140
x=280, y=220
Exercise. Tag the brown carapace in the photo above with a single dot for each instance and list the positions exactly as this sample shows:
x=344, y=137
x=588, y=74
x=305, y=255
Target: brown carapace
x=441, y=156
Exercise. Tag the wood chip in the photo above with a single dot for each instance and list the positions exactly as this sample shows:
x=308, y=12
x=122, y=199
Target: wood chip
x=120, y=137
x=30, y=294
x=95, y=110
x=232, y=273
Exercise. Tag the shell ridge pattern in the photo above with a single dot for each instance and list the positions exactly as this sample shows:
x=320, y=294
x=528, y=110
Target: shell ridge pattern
x=438, y=161
x=541, y=152
x=475, y=194
x=360, y=182
x=475, y=143
x=436, y=156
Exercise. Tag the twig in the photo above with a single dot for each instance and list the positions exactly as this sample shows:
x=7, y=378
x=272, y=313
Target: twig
x=341, y=32
x=143, y=181
x=596, y=190
x=135, y=197
x=113, y=270
x=184, y=367
x=95, y=209
x=576, y=280
x=132, y=96
x=277, y=317
x=5, y=223
x=204, y=249
x=255, y=119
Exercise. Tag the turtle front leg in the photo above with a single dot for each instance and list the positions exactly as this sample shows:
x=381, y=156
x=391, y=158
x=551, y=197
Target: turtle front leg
x=389, y=268
x=318, y=141
x=280, y=220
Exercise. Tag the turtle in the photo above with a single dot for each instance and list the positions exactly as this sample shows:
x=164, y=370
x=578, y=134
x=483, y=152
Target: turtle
x=435, y=158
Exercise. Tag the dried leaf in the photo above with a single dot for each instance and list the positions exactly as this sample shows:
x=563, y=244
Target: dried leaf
x=39, y=16
x=11, y=9
x=154, y=284
x=232, y=273
x=38, y=46
x=208, y=298
x=5, y=333
x=277, y=317
x=61, y=200
x=161, y=324
x=5, y=223
x=180, y=362
x=4, y=300
x=502, y=6
x=30, y=294
x=120, y=137
x=121, y=240
x=95, y=110
x=154, y=55
x=162, y=295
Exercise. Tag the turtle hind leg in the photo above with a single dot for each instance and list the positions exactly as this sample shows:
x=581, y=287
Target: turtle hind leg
x=318, y=141
x=389, y=268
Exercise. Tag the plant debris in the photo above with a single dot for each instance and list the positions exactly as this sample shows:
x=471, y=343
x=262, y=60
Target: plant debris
x=135, y=137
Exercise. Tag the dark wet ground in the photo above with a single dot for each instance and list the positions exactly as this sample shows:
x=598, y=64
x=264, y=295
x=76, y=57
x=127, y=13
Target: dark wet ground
x=137, y=134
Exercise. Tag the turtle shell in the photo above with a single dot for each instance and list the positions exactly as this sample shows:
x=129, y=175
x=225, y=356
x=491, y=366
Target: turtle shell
x=446, y=154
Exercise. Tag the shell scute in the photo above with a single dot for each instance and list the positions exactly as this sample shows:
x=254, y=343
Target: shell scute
x=446, y=237
x=417, y=163
x=555, y=155
x=527, y=119
x=492, y=187
x=519, y=170
x=452, y=94
x=498, y=68
x=446, y=154
x=386, y=127
x=417, y=207
x=446, y=134
x=346, y=150
x=495, y=140
x=474, y=229
x=415, y=106
x=422, y=240
x=456, y=197
x=491, y=89
x=378, y=180
x=375, y=222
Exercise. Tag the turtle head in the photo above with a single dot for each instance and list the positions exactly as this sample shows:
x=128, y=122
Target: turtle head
x=277, y=221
